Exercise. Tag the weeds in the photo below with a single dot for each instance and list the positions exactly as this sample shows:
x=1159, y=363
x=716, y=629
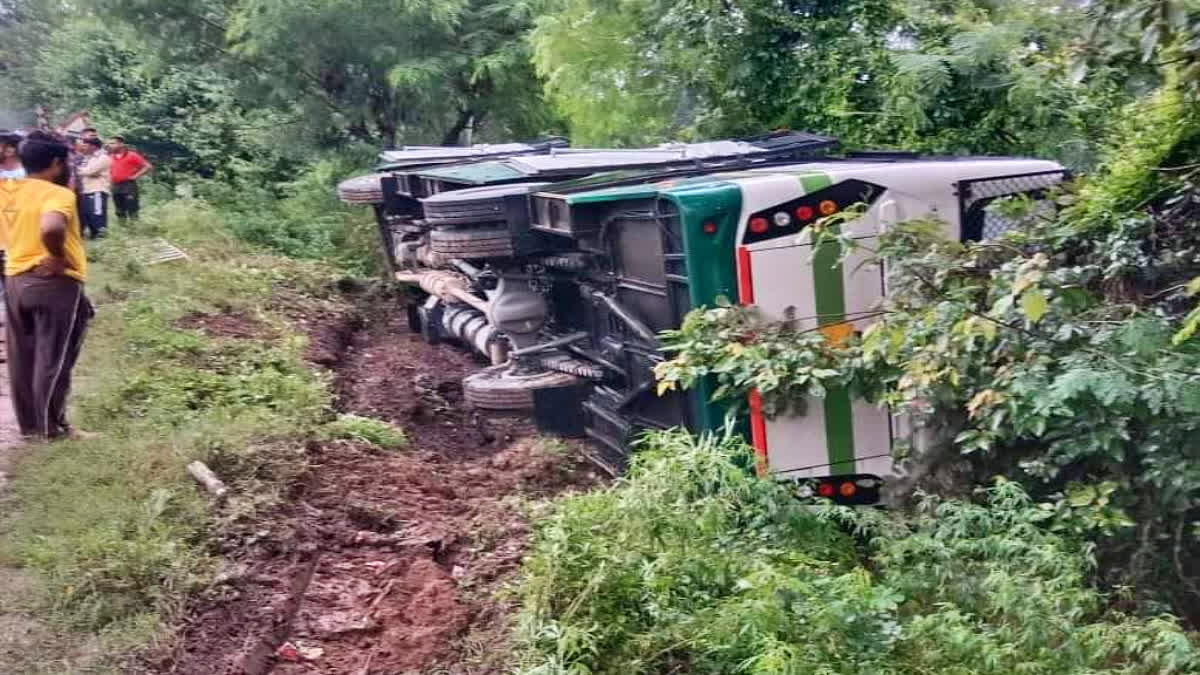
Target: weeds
x=301, y=218
x=692, y=565
x=377, y=433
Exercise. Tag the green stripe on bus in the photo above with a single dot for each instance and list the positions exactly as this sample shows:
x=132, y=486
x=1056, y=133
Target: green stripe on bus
x=839, y=431
x=711, y=271
x=811, y=182
x=830, y=295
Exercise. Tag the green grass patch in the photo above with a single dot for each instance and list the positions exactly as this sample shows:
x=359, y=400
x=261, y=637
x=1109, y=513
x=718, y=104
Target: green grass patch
x=115, y=525
x=381, y=434
x=691, y=564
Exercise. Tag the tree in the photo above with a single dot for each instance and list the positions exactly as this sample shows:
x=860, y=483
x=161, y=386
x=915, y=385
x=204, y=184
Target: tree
x=375, y=71
x=949, y=76
x=24, y=25
x=996, y=76
x=638, y=70
x=1165, y=33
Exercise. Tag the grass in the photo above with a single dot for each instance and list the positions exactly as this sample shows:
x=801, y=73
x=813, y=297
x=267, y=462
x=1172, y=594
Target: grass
x=690, y=564
x=114, y=527
x=378, y=433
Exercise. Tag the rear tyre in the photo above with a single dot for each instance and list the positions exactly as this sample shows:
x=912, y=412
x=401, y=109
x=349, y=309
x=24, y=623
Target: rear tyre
x=489, y=242
x=473, y=205
x=502, y=388
x=362, y=189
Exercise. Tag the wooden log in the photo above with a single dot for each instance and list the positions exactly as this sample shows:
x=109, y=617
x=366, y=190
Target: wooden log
x=208, y=479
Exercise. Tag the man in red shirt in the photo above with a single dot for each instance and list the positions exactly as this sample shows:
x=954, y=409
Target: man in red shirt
x=127, y=167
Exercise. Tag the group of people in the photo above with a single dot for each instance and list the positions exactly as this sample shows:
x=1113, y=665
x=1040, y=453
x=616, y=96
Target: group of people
x=102, y=170
x=49, y=191
x=98, y=171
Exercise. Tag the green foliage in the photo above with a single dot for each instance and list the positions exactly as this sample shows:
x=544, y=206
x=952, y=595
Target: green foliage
x=744, y=351
x=1191, y=322
x=960, y=76
x=639, y=70
x=1163, y=32
x=1158, y=132
x=691, y=563
x=252, y=90
x=340, y=54
x=987, y=590
x=691, y=560
x=378, y=433
x=187, y=117
x=597, y=75
x=337, y=70
x=300, y=218
x=995, y=77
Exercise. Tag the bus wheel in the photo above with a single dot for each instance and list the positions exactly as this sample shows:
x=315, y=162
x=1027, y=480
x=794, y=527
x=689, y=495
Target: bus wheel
x=504, y=388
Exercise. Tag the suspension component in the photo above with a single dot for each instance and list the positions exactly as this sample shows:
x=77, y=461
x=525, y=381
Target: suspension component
x=472, y=328
x=565, y=363
x=449, y=287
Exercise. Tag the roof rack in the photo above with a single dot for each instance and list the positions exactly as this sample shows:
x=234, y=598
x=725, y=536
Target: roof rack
x=883, y=154
x=413, y=156
x=574, y=163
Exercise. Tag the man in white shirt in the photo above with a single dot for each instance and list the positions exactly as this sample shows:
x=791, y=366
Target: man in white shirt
x=95, y=185
x=10, y=162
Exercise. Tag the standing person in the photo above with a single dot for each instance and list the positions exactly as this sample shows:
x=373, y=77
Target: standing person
x=10, y=169
x=76, y=159
x=127, y=167
x=96, y=184
x=47, y=311
x=10, y=162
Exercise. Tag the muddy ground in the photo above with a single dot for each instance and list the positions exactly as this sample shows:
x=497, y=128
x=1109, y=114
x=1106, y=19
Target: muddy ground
x=381, y=563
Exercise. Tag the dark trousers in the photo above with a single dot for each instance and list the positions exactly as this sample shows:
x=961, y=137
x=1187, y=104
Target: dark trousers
x=93, y=214
x=46, y=320
x=126, y=199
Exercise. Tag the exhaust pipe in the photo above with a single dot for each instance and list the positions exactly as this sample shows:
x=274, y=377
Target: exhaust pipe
x=472, y=328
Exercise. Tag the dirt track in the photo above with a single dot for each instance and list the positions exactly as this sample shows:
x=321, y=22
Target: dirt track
x=19, y=630
x=383, y=563
x=10, y=433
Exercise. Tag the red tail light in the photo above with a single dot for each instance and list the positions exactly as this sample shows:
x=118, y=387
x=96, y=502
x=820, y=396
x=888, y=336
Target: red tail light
x=710, y=228
x=825, y=490
x=758, y=225
x=804, y=213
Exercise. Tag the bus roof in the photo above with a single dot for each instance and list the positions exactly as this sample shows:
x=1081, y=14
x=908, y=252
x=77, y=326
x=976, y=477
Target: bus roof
x=561, y=162
x=897, y=174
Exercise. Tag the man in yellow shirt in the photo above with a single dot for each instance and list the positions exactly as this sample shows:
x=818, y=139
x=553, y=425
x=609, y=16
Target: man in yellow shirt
x=47, y=311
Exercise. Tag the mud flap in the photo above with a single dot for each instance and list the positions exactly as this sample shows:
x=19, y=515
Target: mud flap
x=559, y=410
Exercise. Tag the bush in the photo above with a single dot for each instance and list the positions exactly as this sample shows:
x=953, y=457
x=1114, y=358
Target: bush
x=378, y=433
x=690, y=564
x=301, y=218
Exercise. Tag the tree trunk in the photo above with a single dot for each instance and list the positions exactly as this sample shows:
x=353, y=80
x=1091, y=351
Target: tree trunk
x=359, y=130
x=387, y=133
x=386, y=113
x=455, y=131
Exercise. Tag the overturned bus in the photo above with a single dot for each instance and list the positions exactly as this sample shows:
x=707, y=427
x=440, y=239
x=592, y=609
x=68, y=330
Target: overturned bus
x=568, y=290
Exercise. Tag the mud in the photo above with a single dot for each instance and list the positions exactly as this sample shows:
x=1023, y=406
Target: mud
x=383, y=563
x=232, y=325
